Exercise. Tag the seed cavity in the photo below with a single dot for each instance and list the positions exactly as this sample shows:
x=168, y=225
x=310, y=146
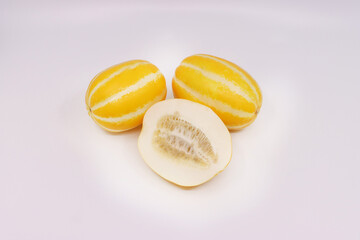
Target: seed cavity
x=184, y=142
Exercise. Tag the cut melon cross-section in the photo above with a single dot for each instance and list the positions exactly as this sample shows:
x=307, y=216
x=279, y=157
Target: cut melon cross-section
x=184, y=142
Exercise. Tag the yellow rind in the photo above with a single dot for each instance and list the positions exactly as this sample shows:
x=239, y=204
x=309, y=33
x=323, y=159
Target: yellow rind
x=235, y=68
x=216, y=79
x=121, y=90
x=212, y=89
x=133, y=100
x=228, y=118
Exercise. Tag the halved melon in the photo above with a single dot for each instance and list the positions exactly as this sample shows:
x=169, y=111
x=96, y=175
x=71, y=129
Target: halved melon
x=184, y=142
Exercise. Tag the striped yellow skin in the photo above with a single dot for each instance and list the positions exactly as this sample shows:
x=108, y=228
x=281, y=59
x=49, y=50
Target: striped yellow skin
x=221, y=85
x=118, y=97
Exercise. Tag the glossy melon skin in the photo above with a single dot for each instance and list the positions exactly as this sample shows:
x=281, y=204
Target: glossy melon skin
x=221, y=85
x=118, y=97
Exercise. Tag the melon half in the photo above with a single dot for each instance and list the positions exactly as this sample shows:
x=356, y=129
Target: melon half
x=184, y=142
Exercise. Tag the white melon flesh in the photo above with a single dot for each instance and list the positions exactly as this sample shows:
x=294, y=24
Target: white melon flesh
x=184, y=142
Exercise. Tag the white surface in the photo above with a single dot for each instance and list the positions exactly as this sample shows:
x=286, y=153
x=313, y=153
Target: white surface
x=294, y=172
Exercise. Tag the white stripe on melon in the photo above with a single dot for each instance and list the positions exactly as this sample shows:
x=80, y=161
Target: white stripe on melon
x=134, y=114
x=118, y=72
x=220, y=79
x=213, y=102
x=133, y=88
x=247, y=80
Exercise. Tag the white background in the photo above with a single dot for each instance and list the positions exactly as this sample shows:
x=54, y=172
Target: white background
x=294, y=172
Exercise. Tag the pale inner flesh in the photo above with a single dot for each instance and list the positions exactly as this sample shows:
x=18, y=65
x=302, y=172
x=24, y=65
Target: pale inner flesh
x=183, y=142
